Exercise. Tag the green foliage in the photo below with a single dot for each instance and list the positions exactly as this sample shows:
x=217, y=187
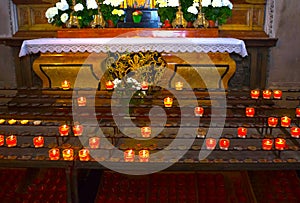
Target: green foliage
x=220, y=14
x=167, y=13
x=185, y=4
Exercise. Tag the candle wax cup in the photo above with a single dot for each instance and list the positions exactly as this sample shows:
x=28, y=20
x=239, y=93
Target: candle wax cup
x=277, y=94
x=129, y=155
x=11, y=141
x=210, y=143
x=64, y=130
x=224, y=143
x=178, y=85
x=1, y=140
x=38, y=141
x=285, y=122
x=68, y=154
x=242, y=132
x=250, y=112
x=77, y=130
x=146, y=131
x=144, y=85
x=109, y=85
x=54, y=154
x=84, y=155
x=144, y=155
x=267, y=94
x=65, y=85
x=254, y=94
x=198, y=111
x=280, y=143
x=81, y=101
x=297, y=112
x=94, y=142
x=267, y=144
x=295, y=132
x=168, y=102
x=272, y=121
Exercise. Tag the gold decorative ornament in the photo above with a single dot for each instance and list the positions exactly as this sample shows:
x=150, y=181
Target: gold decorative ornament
x=179, y=21
x=200, y=22
x=73, y=21
x=98, y=20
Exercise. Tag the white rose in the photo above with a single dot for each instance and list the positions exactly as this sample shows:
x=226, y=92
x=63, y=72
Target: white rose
x=206, y=3
x=192, y=10
x=217, y=3
x=227, y=3
x=173, y=3
x=196, y=4
x=64, y=17
x=106, y=2
x=91, y=4
x=51, y=12
x=62, y=6
x=78, y=7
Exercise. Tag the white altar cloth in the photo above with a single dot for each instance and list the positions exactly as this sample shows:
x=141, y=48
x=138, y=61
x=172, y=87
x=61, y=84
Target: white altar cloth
x=97, y=45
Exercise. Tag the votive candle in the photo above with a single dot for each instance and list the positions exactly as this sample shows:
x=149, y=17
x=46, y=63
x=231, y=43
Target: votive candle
x=81, y=101
x=144, y=155
x=129, y=155
x=168, y=101
x=179, y=85
x=1, y=140
x=54, y=154
x=77, y=129
x=144, y=85
x=224, y=143
x=11, y=141
x=250, y=111
x=68, y=154
x=210, y=143
x=38, y=141
x=65, y=85
x=109, y=85
x=298, y=112
x=254, y=94
x=285, y=121
x=267, y=144
x=64, y=130
x=272, y=121
x=277, y=94
x=94, y=142
x=280, y=143
x=242, y=132
x=267, y=94
x=146, y=131
x=84, y=155
x=295, y=132
x=199, y=111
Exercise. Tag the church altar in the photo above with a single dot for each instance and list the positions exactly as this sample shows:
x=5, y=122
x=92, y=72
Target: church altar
x=62, y=58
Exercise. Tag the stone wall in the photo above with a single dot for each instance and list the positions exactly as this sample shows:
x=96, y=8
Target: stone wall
x=284, y=64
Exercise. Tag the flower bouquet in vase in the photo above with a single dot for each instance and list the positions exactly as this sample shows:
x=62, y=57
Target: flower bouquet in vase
x=137, y=16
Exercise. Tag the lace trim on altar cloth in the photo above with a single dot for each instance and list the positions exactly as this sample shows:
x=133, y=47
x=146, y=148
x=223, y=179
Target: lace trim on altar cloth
x=97, y=45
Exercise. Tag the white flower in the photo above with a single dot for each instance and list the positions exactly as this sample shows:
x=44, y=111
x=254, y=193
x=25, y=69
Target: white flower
x=196, y=4
x=114, y=3
x=51, y=12
x=227, y=3
x=217, y=3
x=91, y=4
x=64, y=17
x=78, y=7
x=173, y=3
x=206, y=3
x=63, y=5
x=192, y=10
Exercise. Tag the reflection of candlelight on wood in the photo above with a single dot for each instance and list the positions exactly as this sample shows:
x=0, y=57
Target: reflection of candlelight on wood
x=81, y=101
x=168, y=102
x=224, y=143
x=285, y=121
x=250, y=111
x=64, y=130
x=280, y=143
x=109, y=85
x=11, y=141
x=199, y=111
x=94, y=142
x=267, y=94
x=298, y=112
x=68, y=154
x=267, y=144
x=179, y=85
x=1, y=140
x=129, y=155
x=210, y=143
x=54, y=154
x=146, y=131
x=295, y=132
x=277, y=94
x=144, y=155
x=77, y=130
x=65, y=85
x=242, y=132
x=254, y=94
x=38, y=141
x=144, y=85
x=84, y=155
x=272, y=121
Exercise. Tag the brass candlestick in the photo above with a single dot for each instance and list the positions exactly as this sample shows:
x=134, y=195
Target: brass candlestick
x=179, y=21
x=200, y=22
x=73, y=21
x=98, y=20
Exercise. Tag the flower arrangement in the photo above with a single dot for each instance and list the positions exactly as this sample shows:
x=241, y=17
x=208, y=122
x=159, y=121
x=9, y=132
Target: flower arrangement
x=60, y=13
x=167, y=9
x=111, y=10
x=217, y=10
x=137, y=13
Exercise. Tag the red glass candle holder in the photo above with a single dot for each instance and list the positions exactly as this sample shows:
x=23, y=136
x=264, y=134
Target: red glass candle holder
x=38, y=141
x=285, y=121
x=267, y=144
x=250, y=111
x=109, y=85
x=94, y=142
x=84, y=155
x=168, y=101
x=81, y=101
x=1, y=140
x=295, y=132
x=65, y=85
x=267, y=94
x=11, y=141
x=272, y=121
x=277, y=94
x=210, y=143
x=64, y=130
x=242, y=132
x=77, y=130
x=144, y=85
x=54, y=154
x=254, y=94
x=298, y=112
x=179, y=86
x=199, y=111
x=144, y=155
x=68, y=154
x=224, y=143
x=280, y=143
x=146, y=132
x=129, y=155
